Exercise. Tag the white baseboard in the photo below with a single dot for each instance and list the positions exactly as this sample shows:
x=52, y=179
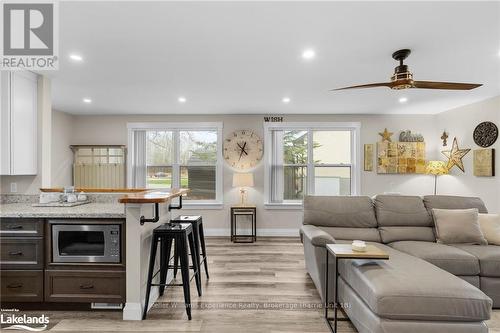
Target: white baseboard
x=260, y=232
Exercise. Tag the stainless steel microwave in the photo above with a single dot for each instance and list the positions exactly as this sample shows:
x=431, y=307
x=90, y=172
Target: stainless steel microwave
x=74, y=242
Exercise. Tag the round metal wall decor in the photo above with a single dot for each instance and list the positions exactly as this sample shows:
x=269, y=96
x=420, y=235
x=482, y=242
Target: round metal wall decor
x=485, y=134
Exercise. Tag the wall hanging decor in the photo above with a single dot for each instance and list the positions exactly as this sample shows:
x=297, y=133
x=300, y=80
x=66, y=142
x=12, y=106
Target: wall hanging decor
x=444, y=137
x=386, y=135
x=484, y=162
x=408, y=136
x=485, y=134
x=455, y=156
x=243, y=149
x=368, y=161
x=401, y=157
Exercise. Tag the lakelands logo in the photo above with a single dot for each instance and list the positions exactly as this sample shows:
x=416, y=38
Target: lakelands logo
x=29, y=35
x=24, y=322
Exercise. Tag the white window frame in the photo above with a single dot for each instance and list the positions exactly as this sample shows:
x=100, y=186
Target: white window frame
x=353, y=127
x=176, y=127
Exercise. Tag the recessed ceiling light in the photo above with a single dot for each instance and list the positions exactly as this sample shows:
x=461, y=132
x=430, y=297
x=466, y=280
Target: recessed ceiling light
x=76, y=57
x=286, y=100
x=182, y=99
x=403, y=99
x=87, y=100
x=308, y=54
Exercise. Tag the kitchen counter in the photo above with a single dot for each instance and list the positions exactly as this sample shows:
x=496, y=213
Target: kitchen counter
x=91, y=210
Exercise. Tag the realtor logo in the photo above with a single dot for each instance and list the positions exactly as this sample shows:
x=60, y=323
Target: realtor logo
x=29, y=39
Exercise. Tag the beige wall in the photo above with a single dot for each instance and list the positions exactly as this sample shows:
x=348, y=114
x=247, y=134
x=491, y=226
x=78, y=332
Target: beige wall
x=113, y=130
x=460, y=123
x=62, y=156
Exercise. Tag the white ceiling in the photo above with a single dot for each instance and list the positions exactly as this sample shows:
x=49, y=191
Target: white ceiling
x=244, y=57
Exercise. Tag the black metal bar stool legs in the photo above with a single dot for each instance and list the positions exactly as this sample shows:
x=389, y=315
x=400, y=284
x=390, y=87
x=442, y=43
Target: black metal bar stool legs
x=183, y=237
x=199, y=240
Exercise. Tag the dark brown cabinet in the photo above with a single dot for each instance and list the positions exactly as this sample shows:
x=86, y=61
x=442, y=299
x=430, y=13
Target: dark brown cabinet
x=22, y=286
x=84, y=286
x=21, y=227
x=21, y=253
x=28, y=273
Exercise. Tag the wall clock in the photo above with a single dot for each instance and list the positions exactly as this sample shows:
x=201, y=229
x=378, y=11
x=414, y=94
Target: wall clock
x=243, y=149
x=485, y=134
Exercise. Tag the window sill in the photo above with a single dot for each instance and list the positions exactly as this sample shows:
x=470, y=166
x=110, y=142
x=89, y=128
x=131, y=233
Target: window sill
x=284, y=205
x=199, y=205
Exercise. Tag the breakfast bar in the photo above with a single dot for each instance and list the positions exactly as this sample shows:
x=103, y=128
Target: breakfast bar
x=144, y=211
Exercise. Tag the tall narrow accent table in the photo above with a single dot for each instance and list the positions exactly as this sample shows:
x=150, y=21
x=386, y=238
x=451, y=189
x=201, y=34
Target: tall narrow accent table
x=344, y=251
x=243, y=210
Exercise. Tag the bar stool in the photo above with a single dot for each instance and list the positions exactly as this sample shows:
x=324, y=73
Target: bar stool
x=199, y=239
x=182, y=234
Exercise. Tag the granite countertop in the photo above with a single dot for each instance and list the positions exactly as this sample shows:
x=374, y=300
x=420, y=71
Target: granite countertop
x=91, y=210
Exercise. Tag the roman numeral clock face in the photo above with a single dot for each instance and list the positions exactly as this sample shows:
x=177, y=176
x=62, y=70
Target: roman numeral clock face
x=243, y=149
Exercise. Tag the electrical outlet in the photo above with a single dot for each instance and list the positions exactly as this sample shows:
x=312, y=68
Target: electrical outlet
x=13, y=187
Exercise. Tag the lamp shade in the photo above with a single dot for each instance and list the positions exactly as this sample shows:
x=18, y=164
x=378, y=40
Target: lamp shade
x=436, y=168
x=243, y=180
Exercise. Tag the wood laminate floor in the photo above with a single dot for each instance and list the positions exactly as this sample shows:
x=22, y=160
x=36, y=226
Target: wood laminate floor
x=259, y=287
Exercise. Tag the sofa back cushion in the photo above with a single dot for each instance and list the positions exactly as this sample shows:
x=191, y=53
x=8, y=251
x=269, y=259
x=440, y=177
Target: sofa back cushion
x=402, y=218
x=453, y=202
x=343, y=217
x=339, y=211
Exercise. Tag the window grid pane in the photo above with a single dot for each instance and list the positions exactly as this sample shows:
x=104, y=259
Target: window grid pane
x=328, y=171
x=183, y=158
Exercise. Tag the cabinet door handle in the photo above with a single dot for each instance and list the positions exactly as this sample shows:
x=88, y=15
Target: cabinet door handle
x=86, y=286
x=14, y=227
x=14, y=285
x=16, y=253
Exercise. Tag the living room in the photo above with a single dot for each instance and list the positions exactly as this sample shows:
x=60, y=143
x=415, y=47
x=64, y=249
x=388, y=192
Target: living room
x=247, y=117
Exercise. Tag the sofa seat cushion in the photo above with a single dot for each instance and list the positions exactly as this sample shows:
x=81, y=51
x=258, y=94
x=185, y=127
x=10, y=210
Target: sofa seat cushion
x=406, y=287
x=449, y=258
x=488, y=255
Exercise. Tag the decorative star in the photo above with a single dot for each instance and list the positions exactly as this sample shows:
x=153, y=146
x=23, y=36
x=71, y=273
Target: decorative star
x=386, y=135
x=455, y=156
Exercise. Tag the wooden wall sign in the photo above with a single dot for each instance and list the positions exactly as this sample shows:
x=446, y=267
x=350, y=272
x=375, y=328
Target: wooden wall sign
x=368, y=160
x=484, y=162
x=273, y=119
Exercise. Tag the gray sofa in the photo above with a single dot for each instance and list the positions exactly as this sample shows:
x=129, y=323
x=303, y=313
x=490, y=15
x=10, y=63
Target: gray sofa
x=424, y=286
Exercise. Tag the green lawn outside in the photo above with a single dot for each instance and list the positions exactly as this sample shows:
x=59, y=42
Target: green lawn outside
x=165, y=182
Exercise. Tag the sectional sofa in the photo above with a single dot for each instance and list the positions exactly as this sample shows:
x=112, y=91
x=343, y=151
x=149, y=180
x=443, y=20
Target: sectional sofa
x=425, y=286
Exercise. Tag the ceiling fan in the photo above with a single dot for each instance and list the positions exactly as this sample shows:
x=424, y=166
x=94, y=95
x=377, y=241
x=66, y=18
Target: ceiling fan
x=403, y=79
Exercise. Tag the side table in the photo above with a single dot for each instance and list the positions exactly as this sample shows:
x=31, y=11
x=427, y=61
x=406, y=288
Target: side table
x=344, y=251
x=243, y=210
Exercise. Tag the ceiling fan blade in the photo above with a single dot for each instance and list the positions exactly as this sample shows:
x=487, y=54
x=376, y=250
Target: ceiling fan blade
x=444, y=85
x=371, y=85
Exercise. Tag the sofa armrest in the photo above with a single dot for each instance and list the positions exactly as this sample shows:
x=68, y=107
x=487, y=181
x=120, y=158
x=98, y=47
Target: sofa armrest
x=315, y=235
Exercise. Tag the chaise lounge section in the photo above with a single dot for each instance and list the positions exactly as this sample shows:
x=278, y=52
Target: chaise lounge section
x=424, y=286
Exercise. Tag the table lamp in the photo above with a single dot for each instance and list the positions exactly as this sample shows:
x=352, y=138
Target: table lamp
x=242, y=180
x=436, y=168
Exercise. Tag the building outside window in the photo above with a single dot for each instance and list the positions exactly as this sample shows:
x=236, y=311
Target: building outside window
x=310, y=159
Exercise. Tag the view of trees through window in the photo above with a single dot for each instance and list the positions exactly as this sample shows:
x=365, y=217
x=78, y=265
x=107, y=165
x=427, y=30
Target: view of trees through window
x=183, y=158
x=330, y=163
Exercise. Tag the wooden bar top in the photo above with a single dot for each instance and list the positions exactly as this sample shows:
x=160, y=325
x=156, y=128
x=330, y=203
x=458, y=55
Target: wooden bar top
x=153, y=196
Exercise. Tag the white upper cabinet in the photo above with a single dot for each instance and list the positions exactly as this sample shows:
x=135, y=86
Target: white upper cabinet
x=18, y=123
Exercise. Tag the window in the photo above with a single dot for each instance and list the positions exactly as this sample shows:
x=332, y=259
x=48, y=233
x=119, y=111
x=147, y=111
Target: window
x=98, y=166
x=178, y=155
x=310, y=159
